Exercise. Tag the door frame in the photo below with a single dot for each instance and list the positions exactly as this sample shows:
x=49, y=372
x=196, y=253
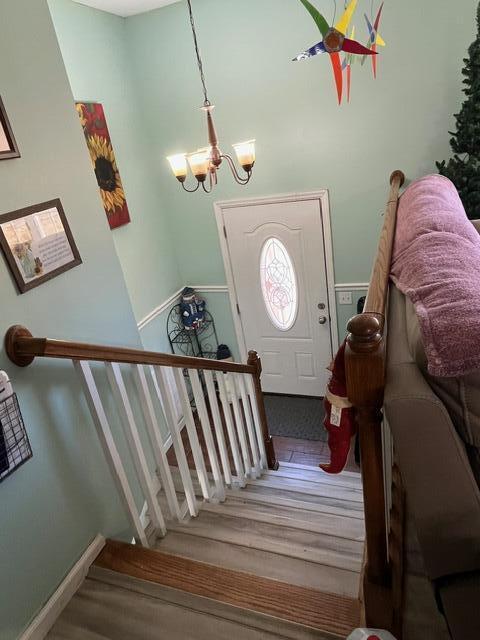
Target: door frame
x=324, y=202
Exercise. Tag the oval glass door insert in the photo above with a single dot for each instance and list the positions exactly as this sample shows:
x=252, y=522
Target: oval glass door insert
x=279, y=284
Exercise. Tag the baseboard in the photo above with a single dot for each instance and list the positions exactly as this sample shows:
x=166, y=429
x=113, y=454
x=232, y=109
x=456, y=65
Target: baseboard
x=46, y=618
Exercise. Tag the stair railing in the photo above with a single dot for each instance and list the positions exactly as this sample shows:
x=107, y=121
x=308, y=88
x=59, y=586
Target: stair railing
x=230, y=416
x=365, y=367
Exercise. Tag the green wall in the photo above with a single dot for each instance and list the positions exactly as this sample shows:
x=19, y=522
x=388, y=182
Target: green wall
x=304, y=140
x=347, y=311
x=57, y=502
x=143, y=70
x=93, y=47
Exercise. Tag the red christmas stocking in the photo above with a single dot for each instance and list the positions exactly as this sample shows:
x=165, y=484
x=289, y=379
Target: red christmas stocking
x=339, y=419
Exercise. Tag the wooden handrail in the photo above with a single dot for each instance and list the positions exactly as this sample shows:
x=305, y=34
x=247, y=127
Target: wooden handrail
x=365, y=368
x=22, y=349
x=376, y=300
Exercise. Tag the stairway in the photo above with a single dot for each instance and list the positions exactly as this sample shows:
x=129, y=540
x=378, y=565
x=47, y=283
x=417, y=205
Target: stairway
x=280, y=558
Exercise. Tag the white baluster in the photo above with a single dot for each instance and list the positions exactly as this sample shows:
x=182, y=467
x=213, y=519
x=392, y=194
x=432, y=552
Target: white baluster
x=249, y=420
x=156, y=440
x=167, y=404
x=217, y=421
x=237, y=411
x=124, y=409
x=230, y=428
x=207, y=432
x=192, y=435
x=109, y=448
x=257, y=421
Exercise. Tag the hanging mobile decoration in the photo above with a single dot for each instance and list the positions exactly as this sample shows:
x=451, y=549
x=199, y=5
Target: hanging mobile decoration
x=347, y=66
x=335, y=40
x=375, y=39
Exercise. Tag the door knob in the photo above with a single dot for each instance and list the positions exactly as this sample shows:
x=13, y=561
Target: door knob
x=322, y=320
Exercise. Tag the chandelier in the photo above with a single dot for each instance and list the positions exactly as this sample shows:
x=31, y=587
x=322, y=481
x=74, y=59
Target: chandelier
x=204, y=163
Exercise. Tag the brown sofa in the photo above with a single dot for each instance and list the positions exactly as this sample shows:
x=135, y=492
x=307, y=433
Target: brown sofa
x=443, y=496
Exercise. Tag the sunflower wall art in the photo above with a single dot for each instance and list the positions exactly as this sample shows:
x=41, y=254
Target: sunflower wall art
x=92, y=118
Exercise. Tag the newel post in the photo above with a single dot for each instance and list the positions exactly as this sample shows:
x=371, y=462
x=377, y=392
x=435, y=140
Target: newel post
x=254, y=360
x=365, y=369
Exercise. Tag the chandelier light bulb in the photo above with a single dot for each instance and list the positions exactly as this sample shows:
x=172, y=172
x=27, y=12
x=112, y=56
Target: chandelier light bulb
x=245, y=154
x=178, y=163
x=199, y=163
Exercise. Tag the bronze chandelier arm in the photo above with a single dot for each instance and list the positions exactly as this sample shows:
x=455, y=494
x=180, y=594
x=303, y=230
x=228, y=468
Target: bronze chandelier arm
x=191, y=190
x=233, y=168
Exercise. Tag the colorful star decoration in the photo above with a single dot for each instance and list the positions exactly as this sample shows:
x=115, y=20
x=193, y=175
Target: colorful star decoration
x=335, y=40
x=375, y=39
x=347, y=66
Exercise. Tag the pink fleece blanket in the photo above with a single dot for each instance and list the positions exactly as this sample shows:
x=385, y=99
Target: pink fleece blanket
x=436, y=263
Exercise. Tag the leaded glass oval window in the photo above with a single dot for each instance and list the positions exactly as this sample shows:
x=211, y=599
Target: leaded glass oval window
x=279, y=284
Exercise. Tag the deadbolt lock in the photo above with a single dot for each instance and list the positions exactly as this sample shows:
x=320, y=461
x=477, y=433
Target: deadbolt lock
x=321, y=305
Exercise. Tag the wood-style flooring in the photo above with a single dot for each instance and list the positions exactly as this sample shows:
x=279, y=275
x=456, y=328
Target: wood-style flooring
x=280, y=558
x=303, y=606
x=307, y=452
x=114, y=606
x=297, y=525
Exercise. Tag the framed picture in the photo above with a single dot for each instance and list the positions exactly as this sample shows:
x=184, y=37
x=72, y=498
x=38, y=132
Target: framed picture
x=38, y=244
x=94, y=124
x=8, y=146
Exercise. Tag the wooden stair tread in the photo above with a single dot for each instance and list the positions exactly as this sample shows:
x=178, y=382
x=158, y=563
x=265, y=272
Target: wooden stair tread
x=271, y=497
x=240, y=506
x=302, y=573
x=112, y=606
x=299, y=485
x=330, y=499
x=335, y=614
x=316, y=475
x=325, y=504
x=280, y=539
x=344, y=474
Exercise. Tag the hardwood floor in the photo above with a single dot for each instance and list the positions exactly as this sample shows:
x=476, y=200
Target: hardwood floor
x=308, y=452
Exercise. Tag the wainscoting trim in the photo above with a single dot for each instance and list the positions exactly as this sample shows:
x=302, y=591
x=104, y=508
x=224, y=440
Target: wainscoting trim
x=158, y=310
x=211, y=288
x=351, y=286
x=223, y=288
x=166, y=304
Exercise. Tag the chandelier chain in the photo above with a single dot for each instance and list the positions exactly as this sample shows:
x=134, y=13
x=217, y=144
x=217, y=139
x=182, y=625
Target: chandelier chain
x=207, y=102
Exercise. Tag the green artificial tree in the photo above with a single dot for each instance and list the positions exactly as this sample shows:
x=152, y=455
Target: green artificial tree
x=464, y=168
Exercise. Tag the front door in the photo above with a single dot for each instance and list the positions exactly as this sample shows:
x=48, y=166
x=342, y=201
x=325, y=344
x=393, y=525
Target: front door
x=277, y=259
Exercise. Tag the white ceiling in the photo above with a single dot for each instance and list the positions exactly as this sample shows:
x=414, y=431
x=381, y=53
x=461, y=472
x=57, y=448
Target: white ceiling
x=126, y=8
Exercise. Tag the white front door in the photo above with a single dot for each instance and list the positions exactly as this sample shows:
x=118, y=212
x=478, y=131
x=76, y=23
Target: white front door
x=277, y=260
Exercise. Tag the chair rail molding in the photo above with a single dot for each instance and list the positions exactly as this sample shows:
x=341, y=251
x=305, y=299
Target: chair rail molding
x=163, y=306
x=223, y=288
x=166, y=304
x=351, y=286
